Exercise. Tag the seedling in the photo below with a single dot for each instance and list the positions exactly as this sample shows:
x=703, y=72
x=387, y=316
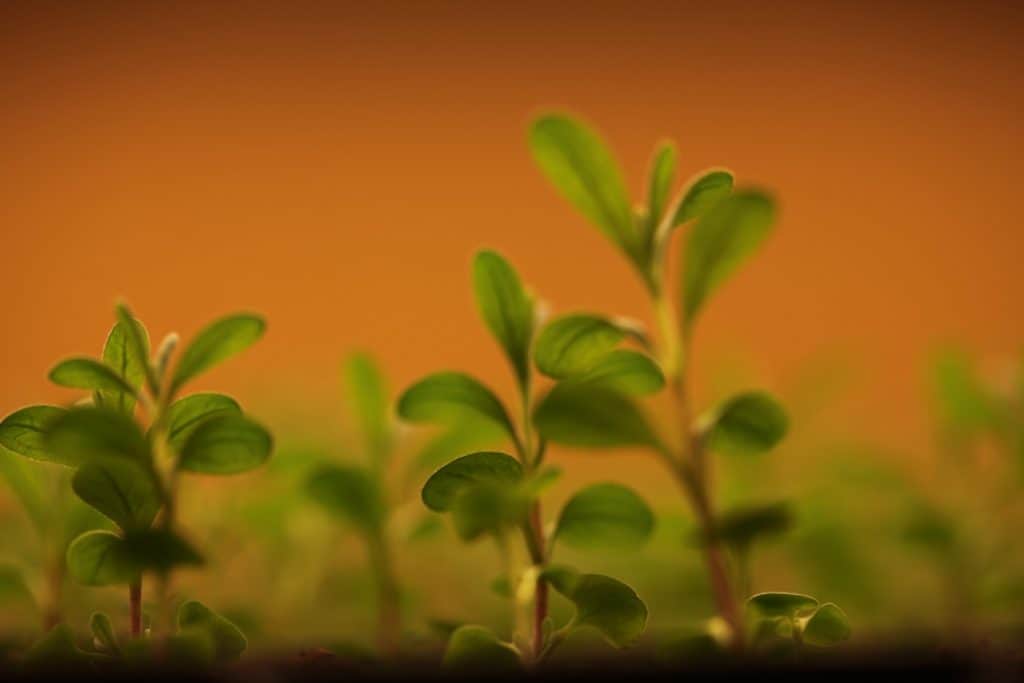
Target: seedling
x=129, y=468
x=593, y=404
x=497, y=495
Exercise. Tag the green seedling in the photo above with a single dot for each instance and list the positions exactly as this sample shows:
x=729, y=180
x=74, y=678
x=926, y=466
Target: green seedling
x=128, y=466
x=780, y=622
x=594, y=403
x=497, y=495
x=367, y=495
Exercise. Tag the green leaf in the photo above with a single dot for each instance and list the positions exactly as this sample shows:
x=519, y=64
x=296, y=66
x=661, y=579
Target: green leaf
x=138, y=340
x=24, y=479
x=226, y=444
x=367, y=393
x=579, y=165
x=662, y=173
x=701, y=195
x=629, y=372
x=828, y=626
x=506, y=309
x=13, y=588
x=56, y=647
x=187, y=414
x=102, y=558
x=592, y=416
x=963, y=402
x=571, y=345
x=103, y=634
x=741, y=526
x=753, y=422
x=720, y=241
x=448, y=396
x=24, y=431
x=351, y=493
x=87, y=373
x=475, y=648
x=603, y=603
x=487, y=507
x=83, y=435
x=127, y=352
x=444, y=486
x=229, y=642
x=123, y=491
x=787, y=605
x=603, y=516
x=468, y=435
x=217, y=342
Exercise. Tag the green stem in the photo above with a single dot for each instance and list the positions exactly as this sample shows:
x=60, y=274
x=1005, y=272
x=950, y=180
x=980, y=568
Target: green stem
x=388, y=595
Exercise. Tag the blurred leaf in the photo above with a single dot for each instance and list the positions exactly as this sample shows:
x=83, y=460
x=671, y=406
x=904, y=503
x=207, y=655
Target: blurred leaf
x=102, y=558
x=629, y=372
x=962, y=399
x=701, y=195
x=187, y=414
x=487, y=507
x=227, y=444
x=229, y=642
x=367, y=393
x=83, y=435
x=447, y=483
x=123, y=491
x=720, y=241
x=446, y=397
x=25, y=485
x=56, y=647
x=741, y=526
x=579, y=165
x=24, y=431
x=828, y=626
x=571, y=345
x=930, y=528
x=605, y=516
x=592, y=416
x=217, y=342
x=608, y=605
x=137, y=339
x=192, y=647
x=506, y=309
x=541, y=480
x=103, y=635
x=787, y=605
x=87, y=373
x=659, y=184
x=13, y=588
x=475, y=648
x=351, y=493
x=467, y=435
x=426, y=528
x=748, y=423
x=128, y=360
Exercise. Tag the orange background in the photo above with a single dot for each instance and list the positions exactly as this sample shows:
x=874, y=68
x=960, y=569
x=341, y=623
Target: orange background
x=335, y=166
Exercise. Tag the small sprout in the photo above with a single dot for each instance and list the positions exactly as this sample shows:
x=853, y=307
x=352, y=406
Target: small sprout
x=475, y=648
x=103, y=636
x=610, y=606
x=228, y=641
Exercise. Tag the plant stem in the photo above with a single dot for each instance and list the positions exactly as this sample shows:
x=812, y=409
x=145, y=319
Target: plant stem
x=690, y=467
x=135, y=606
x=540, y=599
x=388, y=596
x=55, y=583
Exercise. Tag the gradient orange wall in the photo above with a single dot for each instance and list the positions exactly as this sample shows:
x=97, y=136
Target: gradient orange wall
x=335, y=166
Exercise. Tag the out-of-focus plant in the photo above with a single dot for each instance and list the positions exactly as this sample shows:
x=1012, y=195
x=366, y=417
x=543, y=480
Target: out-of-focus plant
x=497, y=495
x=129, y=468
x=593, y=405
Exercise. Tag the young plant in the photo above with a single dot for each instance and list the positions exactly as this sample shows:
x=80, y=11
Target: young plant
x=591, y=408
x=129, y=467
x=497, y=495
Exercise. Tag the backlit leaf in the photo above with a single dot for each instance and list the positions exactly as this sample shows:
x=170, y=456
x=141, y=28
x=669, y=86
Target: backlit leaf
x=787, y=605
x=447, y=483
x=571, y=345
x=226, y=444
x=748, y=423
x=217, y=342
x=129, y=360
x=701, y=195
x=187, y=414
x=24, y=432
x=506, y=309
x=475, y=648
x=603, y=603
x=88, y=373
x=828, y=626
x=122, y=490
x=446, y=397
x=605, y=516
x=83, y=435
x=588, y=416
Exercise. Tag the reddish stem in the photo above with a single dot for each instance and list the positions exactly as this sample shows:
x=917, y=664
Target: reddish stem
x=135, y=605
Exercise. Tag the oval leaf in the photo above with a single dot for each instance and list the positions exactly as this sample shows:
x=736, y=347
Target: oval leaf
x=84, y=435
x=187, y=414
x=127, y=352
x=787, y=605
x=571, y=345
x=103, y=634
x=828, y=626
x=350, y=493
x=579, y=165
x=24, y=432
x=100, y=558
x=702, y=194
x=217, y=342
x=506, y=309
x=720, y=241
x=475, y=648
x=227, y=444
x=603, y=603
x=605, y=515
x=228, y=640
x=441, y=489
x=123, y=491
x=659, y=184
x=741, y=526
x=87, y=373
x=487, y=507
x=592, y=416
x=749, y=423
x=448, y=396
x=629, y=372
x=367, y=393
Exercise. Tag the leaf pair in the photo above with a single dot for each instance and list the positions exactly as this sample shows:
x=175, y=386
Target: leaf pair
x=103, y=558
x=800, y=617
